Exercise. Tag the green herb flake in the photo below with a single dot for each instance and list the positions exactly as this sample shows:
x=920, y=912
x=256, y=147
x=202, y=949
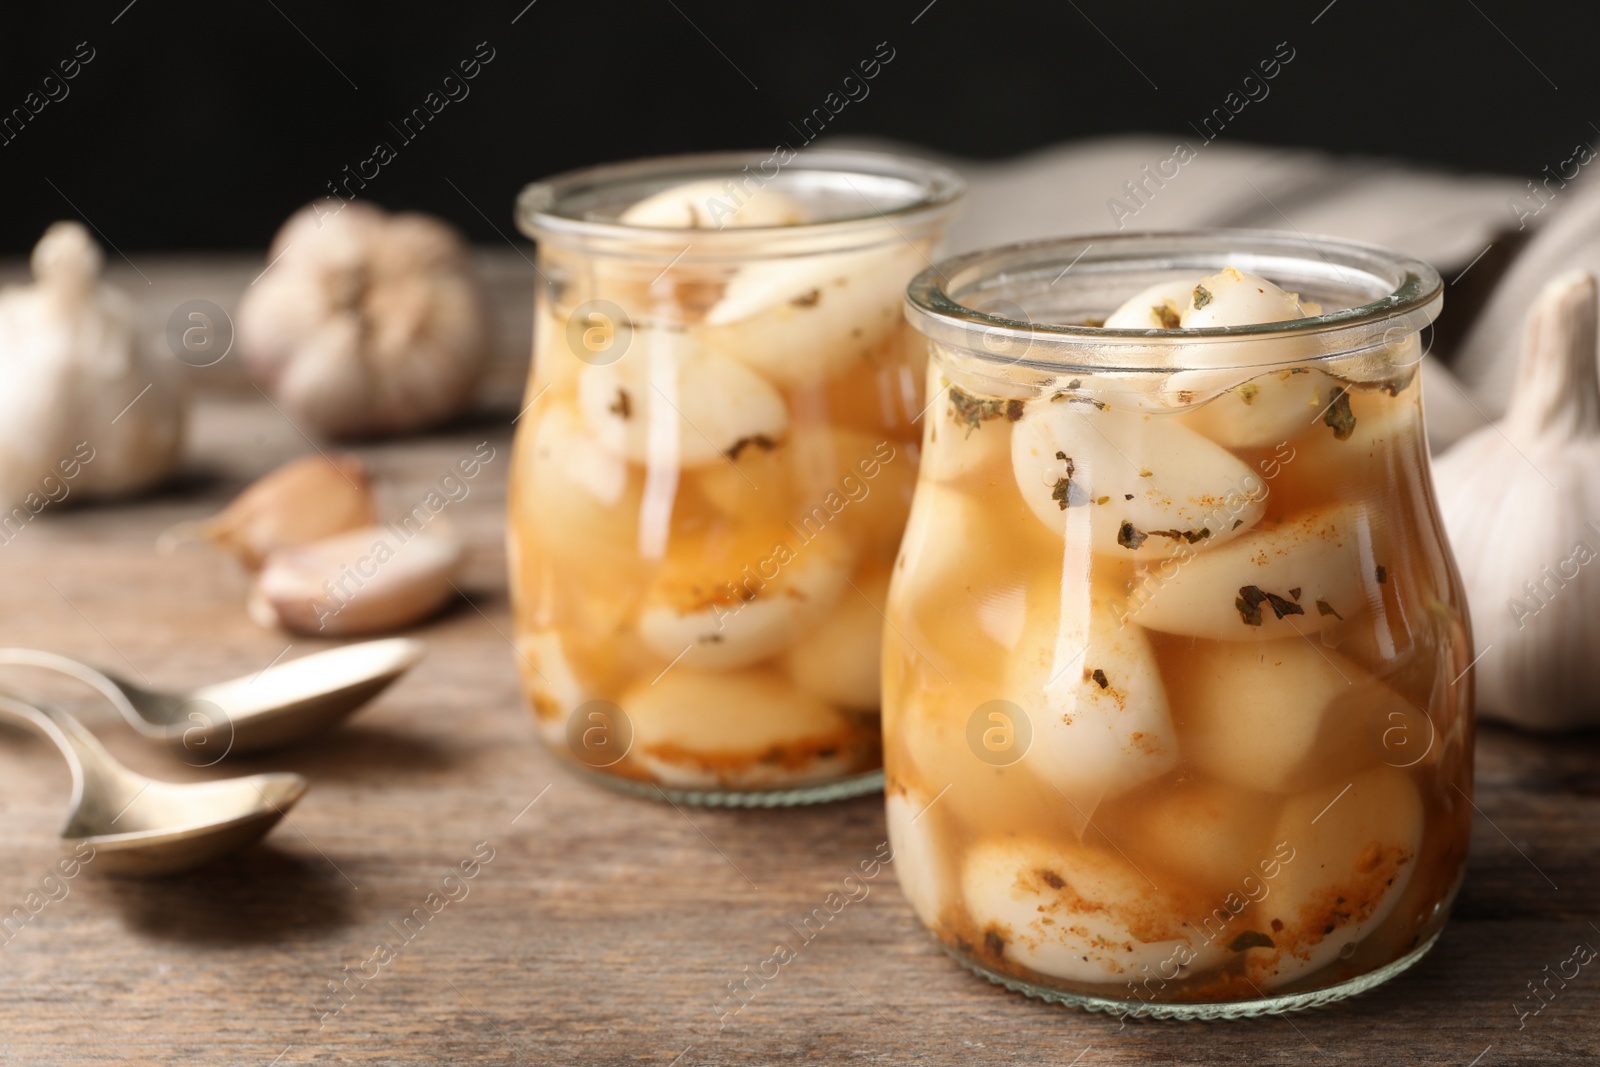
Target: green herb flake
x=1128, y=537
x=1251, y=939
x=1338, y=414
x=970, y=410
x=1202, y=296
x=1325, y=608
x=1249, y=604
x=1165, y=315
x=1248, y=391
x=1237, y=523
x=1191, y=536
x=1065, y=492
x=1281, y=607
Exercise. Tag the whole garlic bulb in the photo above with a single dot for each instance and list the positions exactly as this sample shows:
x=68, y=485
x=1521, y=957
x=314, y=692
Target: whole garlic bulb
x=366, y=323
x=1520, y=499
x=82, y=402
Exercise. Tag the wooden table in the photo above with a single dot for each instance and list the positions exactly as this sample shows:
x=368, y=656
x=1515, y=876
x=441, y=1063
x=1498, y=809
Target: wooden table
x=604, y=930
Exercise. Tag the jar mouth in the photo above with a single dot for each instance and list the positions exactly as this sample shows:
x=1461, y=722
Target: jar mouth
x=860, y=196
x=1030, y=304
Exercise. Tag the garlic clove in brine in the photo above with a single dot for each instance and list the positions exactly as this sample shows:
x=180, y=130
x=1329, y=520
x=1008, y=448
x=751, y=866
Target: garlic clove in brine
x=669, y=402
x=1159, y=307
x=1232, y=297
x=919, y=859
x=365, y=323
x=714, y=205
x=1520, y=500
x=302, y=501
x=1137, y=486
x=366, y=581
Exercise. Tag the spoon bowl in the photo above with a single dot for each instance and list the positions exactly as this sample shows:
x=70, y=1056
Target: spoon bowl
x=285, y=703
x=140, y=827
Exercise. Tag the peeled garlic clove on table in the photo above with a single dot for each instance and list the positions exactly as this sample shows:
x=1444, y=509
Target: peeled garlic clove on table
x=698, y=729
x=1140, y=486
x=1278, y=716
x=1301, y=576
x=302, y=501
x=733, y=598
x=365, y=581
x=1092, y=692
x=713, y=205
x=806, y=319
x=1354, y=851
x=668, y=401
x=1078, y=914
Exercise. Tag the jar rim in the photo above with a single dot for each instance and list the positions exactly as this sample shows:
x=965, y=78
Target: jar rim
x=1404, y=295
x=566, y=207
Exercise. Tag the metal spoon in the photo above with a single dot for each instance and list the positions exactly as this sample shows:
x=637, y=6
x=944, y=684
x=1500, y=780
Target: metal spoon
x=284, y=703
x=140, y=826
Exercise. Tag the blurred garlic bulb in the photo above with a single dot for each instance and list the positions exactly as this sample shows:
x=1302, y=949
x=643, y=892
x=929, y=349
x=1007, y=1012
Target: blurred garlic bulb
x=365, y=323
x=82, y=403
x=1519, y=499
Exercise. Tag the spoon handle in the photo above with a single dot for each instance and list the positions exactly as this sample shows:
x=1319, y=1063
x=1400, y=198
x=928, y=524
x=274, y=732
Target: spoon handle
x=97, y=680
x=77, y=744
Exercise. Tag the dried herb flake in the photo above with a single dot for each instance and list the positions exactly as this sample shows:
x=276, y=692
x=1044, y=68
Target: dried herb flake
x=1248, y=392
x=1338, y=415
x=1250, y=599
x=807, y=299
x=622, y=406
x=760, y=440
x=1251, y=939
x=1382, y=574
x=1100, y=679
x=1202, y=296
x=971, y=411
x=1325, y=608
x=1128, y=537
x=1166, y=316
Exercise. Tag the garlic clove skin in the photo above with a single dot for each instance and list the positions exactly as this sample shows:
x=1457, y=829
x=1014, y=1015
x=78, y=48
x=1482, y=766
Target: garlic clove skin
x=712, y=205
x=1222, y=593
x=1353, y=856
x=1233, y=298
x=1139, y=486
x=695, y=729
x=1519, y=499
x=302, y=501
x=365, y=324
x=721, y=602
x=1159, y=307
x=1078, y=914
x=82, y=393
x=809, y=319
x=367, y=581
x=919, y=859
x=669, y=402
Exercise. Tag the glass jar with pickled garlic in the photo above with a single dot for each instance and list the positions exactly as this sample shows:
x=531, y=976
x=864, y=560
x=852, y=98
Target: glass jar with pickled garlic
x=1176, y=689
x=715, y=464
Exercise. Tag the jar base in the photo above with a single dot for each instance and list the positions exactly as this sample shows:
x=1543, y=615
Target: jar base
x=1247, y=1009
x=791, y=797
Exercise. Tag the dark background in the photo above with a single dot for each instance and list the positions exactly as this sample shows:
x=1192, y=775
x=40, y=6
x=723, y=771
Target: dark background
x=202, y=125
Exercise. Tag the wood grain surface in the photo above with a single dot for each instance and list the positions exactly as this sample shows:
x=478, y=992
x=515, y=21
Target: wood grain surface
x=604, y=929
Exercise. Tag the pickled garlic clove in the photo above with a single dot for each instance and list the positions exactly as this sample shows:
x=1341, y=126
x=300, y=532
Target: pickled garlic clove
x=1137, y=486
x=919, y=860
x=714, y=205
x=805, y=320
x=668, y=402
x=1233, y=298
x=302, y=501
x=1271, y=408
x=1159, y=307
x=838, y=660
x=1355, y=851
x=1092, y=691
x=1302, y=575
x=733, y=598
x=1202, y=832
x=969, y=434
x=694, y=729
x=1078, y=914
x=367, y=581
x=580, y=499
x=549, y=680
x=1279, y=716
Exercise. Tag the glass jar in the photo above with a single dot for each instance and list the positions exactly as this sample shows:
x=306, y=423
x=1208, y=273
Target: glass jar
x=1176, y=688
x=715, y=463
